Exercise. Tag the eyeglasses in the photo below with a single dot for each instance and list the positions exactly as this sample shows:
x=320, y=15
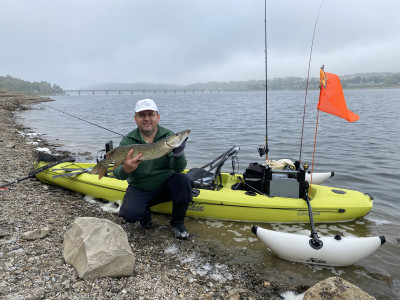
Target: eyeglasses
x=143, y=115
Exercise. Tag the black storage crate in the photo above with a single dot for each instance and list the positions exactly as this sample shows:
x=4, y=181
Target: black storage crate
x=282, y=183
x=275, y=183
x=254, y=178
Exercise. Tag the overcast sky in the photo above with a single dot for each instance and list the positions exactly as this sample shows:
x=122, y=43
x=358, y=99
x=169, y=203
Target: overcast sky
x=77, y=43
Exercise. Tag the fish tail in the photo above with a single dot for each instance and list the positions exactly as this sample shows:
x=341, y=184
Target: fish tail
x=100, y=168
x=102, y=172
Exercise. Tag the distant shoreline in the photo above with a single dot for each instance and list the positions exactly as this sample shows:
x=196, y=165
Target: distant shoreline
x=355, y=81
x=382, y=80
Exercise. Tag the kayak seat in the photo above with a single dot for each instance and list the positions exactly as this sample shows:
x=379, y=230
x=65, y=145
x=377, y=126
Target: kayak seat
x=201, y=178
x=209, y=176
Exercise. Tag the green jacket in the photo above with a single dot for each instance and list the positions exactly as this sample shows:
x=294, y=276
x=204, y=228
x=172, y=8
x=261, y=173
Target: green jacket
x=151, y=174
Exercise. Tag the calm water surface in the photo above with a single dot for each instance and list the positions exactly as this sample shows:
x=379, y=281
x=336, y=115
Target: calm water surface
x=363, y=155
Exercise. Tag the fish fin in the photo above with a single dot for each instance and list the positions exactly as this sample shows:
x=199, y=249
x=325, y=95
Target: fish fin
x=109, y=153
x=117, y=164
x=100, y=168
x=102, y=172
x=95, y=169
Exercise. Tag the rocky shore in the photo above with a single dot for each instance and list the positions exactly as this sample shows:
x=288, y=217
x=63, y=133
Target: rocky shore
x=165, y=267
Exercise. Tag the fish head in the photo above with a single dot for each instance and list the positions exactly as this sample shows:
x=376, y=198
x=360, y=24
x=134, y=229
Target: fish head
x=177, y=139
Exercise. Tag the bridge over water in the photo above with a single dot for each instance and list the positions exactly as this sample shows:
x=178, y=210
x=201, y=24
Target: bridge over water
x=143, y=92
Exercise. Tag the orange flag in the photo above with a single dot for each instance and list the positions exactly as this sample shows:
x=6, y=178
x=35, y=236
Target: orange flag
x=331, y=98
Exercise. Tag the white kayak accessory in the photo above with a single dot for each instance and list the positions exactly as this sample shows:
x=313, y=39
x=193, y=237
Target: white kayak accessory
x=287, y=164
x=335, y=250
x=318, y=178
x=329, y=251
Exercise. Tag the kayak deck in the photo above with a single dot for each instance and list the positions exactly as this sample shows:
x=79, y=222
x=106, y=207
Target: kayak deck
x=328, y=204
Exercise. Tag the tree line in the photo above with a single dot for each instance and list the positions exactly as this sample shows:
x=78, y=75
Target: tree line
x=355, y=81
x=12, y=84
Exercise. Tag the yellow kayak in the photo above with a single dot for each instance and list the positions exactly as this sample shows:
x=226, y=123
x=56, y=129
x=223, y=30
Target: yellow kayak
x=223, y=202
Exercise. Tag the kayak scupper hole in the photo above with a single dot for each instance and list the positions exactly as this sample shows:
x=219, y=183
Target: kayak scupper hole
x=338, y=191
x=250, y=193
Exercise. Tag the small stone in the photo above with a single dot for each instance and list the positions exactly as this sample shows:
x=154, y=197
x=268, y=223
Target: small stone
x=36, y=234
x=234, y=297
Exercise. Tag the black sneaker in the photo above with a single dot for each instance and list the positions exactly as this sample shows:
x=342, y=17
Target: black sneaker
x=146, y=222
x=180, y=231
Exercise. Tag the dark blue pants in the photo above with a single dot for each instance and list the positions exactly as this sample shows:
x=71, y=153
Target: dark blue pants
x=137, y=203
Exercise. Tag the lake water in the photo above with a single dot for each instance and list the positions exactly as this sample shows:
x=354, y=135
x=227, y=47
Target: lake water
x=363, y=155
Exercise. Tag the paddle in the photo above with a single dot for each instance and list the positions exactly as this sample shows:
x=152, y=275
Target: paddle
x=37, y=171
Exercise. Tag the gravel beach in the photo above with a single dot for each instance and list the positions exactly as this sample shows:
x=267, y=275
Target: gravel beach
x=166, y=268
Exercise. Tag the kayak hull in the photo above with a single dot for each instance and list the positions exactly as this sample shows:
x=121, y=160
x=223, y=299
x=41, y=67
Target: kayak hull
x=328, y=204
x=335, y=250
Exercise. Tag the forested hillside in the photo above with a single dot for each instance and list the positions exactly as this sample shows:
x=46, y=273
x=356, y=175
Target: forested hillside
x=355, y=81
x=12, y=84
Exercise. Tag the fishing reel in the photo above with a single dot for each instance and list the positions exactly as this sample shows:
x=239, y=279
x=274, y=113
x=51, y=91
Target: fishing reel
x=262, y=150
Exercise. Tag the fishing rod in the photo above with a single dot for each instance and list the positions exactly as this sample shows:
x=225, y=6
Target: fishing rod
x=314, y=242
x=308, y=78
x=37, y=171
x=83, y=120
x=265, y=149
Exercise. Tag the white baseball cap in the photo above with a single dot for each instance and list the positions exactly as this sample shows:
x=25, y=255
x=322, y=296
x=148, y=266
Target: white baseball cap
x=145, y=104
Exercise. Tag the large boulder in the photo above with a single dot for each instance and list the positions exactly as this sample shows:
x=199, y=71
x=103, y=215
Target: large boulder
x=336, y=288
x=98, y=248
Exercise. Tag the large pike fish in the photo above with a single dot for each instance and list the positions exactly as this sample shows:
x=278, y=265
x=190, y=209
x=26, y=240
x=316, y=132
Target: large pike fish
x=149, y=152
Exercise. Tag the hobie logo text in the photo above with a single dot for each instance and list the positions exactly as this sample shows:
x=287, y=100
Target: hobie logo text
x=305, y=213
x=317, y=260
x=196, y=207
